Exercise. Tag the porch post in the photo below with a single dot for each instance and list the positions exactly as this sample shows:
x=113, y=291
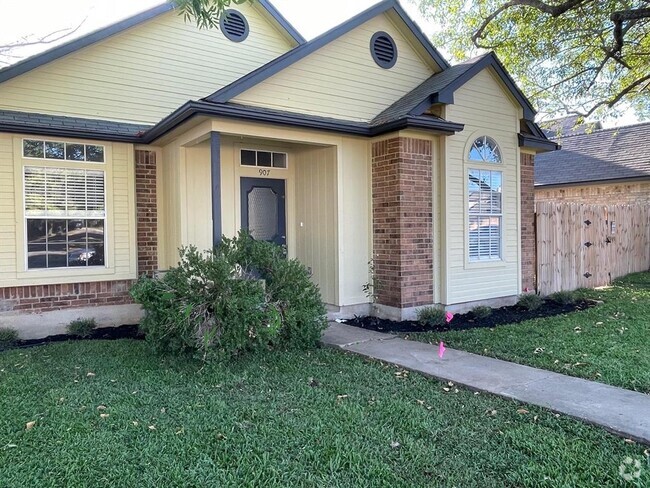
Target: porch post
x=215, y=164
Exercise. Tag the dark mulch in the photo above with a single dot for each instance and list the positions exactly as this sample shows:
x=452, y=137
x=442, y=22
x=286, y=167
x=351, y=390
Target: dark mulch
x=500, y=316
x=104, y=333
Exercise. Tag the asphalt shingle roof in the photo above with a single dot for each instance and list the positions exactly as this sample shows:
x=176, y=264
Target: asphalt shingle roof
x=432, y=85
x=606, y=154
x=76, y=126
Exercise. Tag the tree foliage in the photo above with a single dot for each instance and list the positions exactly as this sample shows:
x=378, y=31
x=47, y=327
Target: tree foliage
x=10, y=52
x=205, y=13
x=574, y=56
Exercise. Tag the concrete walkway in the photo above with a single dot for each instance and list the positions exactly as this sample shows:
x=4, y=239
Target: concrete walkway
x=623, y=412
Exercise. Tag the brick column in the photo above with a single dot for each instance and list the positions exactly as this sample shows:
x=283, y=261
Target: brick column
x=147, y=216
x=402, y=199
x=528, y=239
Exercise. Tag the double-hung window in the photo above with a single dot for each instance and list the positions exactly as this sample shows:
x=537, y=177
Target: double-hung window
x=65, y=213
x=485, y=206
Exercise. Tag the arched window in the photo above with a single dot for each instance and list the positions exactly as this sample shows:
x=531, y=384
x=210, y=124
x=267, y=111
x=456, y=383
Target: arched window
x=485, y=205
x=485, y=150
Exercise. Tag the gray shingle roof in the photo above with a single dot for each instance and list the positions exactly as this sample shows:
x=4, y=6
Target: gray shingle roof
x=69, y=126
x=568, y=126
x=431, y=86
x=607, y=154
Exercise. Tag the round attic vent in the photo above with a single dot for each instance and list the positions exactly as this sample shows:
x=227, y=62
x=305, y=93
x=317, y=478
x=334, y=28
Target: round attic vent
x=234, y=25
x=383, y=50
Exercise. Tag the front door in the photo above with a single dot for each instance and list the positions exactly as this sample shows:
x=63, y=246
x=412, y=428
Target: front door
x=263, y=209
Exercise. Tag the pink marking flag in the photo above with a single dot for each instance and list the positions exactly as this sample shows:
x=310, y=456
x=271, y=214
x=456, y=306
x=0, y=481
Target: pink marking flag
x=441, y=349
x=449, y=316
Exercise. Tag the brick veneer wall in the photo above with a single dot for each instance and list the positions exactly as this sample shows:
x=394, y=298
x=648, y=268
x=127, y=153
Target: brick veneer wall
x=402, y=198
x=47, y=298
x=146, y=203
x=528, y=233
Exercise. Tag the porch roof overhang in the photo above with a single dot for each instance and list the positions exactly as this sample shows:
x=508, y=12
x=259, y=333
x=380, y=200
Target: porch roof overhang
x=277, y=117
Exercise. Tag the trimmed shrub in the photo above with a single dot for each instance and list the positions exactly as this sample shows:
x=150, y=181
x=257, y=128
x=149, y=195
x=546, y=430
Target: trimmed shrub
x=563, y=297
x=8, y=338
x=530, y=301
x=481, y=312
x=82, y=327
x=244, y=295
x=431, y=317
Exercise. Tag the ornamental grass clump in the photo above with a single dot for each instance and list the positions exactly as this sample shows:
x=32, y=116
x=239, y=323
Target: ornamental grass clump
x=563, y=297
x=81, y=327
x=431, y=317
x=481, y=312
x=243, y=296
x=530, y=301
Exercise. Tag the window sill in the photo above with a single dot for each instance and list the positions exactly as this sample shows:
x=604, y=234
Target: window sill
x=492, y=263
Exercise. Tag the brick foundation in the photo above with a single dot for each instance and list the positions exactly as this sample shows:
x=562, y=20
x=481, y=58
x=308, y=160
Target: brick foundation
x=528, y=239
x=402, y=197
x=146, y=203
x=47, y=298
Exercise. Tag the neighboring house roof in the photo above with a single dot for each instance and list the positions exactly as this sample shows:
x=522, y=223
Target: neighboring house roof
x=567, y=126
x=56, y=125
x=603, y=155
x=440, y=88
x=57, y=52
x=236, y=88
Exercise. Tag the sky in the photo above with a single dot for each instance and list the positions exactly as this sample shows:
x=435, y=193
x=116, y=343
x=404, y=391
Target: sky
x=310, y=17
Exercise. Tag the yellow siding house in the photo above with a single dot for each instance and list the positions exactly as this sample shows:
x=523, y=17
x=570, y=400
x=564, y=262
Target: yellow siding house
x=363, y=151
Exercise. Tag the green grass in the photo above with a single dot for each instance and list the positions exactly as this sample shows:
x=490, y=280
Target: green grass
x=608, y=343
x=322, y=419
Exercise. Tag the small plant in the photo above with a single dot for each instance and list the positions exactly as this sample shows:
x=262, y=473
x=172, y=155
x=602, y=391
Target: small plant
x=81, y=327
x=482, y=312
x=563, y=297
x=431, y=317
x=371, y=289
x=530, y=301
x=8, y=338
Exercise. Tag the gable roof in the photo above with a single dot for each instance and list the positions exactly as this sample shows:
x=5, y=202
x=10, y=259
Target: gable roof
x=57, y=52
x=440, y=88
x=264, y=72
x=607, y=154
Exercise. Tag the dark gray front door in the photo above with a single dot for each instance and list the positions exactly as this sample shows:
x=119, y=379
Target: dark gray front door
x=263, y=209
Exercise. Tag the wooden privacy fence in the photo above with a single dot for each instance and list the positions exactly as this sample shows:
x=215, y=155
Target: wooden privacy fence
x=589, y=245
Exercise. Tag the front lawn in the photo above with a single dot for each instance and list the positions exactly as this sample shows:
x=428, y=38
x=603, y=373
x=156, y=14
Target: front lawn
x=608, y=343
x=113, y=414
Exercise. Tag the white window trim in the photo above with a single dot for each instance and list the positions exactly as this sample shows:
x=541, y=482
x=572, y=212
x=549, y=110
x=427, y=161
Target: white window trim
x=468, y=215
x=74, y=161
x=64, y=269
x=470, y=165
x=286, y=155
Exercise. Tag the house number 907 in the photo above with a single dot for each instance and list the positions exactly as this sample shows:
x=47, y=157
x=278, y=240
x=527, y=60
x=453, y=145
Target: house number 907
x=265, y=172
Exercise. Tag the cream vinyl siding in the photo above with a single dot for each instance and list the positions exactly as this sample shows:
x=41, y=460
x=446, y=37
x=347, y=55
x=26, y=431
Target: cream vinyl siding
x=355, y=220
x=143, y=74
x=8, y=220
x=316, y=217
x=485, y=108
x=341, y=79
x=328, y=189
x=121, y=246
x=170, y=209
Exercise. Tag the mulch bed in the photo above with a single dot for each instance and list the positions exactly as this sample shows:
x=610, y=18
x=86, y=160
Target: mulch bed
x=500, y=316
x=103, y=333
